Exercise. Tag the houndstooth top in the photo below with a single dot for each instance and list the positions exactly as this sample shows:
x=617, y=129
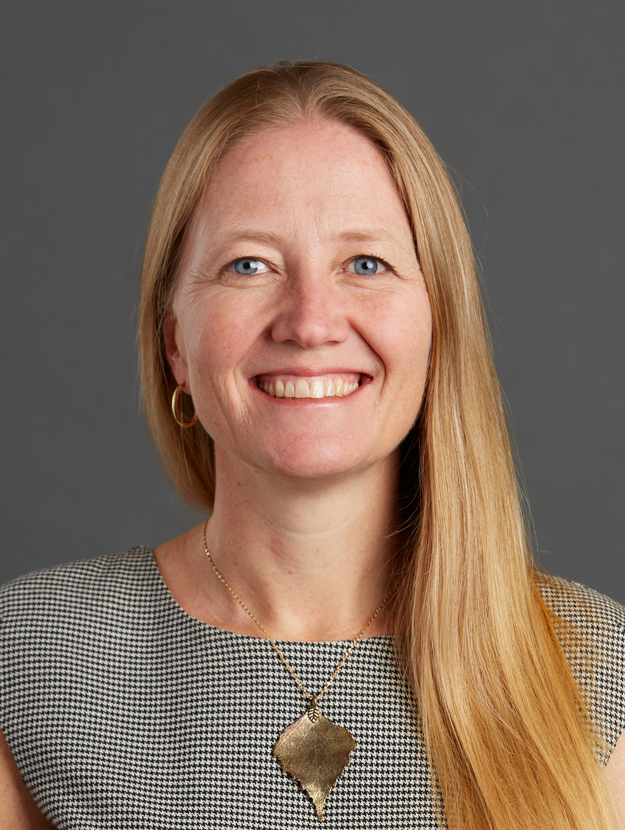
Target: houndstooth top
x=122, y=711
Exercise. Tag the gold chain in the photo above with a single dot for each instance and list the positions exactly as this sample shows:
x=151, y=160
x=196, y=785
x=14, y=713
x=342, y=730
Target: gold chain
x=353, y=645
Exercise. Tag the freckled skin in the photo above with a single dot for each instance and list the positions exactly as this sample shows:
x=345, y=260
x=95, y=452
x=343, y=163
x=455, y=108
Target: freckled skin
x=298, y=191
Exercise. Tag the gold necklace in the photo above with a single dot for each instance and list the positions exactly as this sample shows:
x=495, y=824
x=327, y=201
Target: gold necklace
x=313, y=750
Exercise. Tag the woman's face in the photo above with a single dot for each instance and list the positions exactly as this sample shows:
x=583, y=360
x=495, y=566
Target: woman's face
x=301, y=323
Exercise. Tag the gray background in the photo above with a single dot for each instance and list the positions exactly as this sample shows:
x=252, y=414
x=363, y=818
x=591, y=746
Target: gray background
x=524, y=99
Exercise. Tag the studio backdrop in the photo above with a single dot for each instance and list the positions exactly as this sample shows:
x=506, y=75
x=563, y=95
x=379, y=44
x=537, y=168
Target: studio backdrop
x=523, y=100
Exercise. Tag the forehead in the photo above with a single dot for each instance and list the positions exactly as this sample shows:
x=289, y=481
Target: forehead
x=315, y=173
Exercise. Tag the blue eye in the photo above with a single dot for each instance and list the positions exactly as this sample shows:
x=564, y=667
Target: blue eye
x=247, y=266
x=366, y=265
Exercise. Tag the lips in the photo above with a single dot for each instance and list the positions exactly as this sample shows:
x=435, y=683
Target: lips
x=329, y=385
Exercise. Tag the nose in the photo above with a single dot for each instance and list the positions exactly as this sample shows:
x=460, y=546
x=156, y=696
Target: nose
x=310, y=314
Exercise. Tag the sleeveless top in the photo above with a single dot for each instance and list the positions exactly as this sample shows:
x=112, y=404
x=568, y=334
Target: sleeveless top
x=122, y=711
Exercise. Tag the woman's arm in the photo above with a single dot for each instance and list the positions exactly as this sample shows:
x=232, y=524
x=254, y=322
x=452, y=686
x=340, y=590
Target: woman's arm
x=18, y=811
x=615, y=772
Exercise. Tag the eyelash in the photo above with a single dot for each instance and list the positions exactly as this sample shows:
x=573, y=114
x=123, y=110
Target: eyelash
x=358, y=256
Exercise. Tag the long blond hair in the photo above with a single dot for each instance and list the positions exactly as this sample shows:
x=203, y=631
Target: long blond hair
x=506, y=729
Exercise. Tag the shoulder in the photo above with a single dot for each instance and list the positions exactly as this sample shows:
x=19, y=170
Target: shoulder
x=78, y=630
x=98, y=590
x=117, y=569
x=86, y=649
x=590, y=625
x=591, y=629
x=583, y=607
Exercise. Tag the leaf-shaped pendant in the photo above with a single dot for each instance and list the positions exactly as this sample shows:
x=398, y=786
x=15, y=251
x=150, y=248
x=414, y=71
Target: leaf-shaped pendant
x=315, y=752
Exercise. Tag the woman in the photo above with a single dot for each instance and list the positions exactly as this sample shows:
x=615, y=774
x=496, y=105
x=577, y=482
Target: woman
x=317, y=371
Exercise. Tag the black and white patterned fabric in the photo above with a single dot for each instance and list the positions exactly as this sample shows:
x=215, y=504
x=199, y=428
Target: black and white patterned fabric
x=122, y=711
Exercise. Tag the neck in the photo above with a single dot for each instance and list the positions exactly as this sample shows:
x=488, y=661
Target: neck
x=311, y=560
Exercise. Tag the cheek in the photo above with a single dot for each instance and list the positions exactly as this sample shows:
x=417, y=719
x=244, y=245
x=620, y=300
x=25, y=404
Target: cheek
x=219, y=335
x=401, y=333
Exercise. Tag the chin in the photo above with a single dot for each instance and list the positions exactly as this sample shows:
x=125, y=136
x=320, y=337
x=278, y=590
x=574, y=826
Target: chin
x=303, y=461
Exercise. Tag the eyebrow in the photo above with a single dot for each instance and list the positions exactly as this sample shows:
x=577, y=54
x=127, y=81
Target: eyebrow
x=355, y=235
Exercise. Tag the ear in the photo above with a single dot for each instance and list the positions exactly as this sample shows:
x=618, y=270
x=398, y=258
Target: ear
x=174, y=352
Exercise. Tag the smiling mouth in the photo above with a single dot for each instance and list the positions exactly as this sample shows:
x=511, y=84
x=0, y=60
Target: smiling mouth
x=321, y=386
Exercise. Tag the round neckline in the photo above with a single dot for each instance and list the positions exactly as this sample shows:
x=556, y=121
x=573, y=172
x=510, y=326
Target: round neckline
x=171, y=600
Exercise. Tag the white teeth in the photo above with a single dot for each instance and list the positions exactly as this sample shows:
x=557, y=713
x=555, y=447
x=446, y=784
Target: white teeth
x=318, y=388
x=302, y=390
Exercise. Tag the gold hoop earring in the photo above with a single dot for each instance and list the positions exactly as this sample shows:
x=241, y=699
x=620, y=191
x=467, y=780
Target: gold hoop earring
x=174, y=406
